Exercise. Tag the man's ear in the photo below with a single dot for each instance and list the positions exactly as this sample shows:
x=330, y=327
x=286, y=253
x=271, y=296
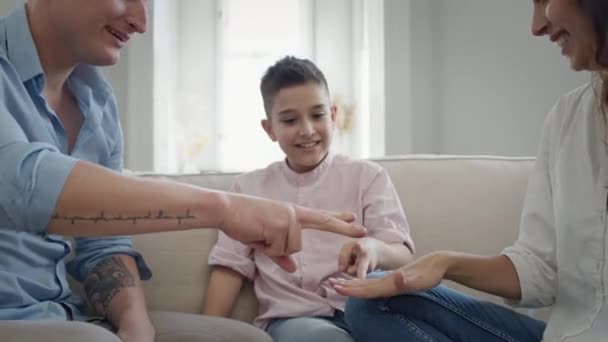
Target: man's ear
x=267, y=126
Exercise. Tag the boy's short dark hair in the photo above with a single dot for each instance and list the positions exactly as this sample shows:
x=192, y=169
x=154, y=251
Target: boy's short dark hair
x=288, y=72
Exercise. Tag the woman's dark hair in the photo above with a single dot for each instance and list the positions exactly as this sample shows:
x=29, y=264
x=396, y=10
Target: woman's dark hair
x=597, y=11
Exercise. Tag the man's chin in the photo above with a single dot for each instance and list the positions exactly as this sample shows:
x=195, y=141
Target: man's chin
x=106, y=59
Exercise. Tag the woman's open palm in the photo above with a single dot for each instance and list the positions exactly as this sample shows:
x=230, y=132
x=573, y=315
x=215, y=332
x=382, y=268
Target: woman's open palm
x=422, y=274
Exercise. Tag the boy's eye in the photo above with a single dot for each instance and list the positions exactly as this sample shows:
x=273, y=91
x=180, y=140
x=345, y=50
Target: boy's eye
x=319, y=115
x=288, y=121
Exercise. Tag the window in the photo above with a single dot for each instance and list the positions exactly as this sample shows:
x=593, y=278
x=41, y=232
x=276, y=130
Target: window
x=252, y=37
x=428, y=89
x=209, y=57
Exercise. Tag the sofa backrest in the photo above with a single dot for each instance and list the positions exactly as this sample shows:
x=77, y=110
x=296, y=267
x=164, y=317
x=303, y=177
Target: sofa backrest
x=470, y=204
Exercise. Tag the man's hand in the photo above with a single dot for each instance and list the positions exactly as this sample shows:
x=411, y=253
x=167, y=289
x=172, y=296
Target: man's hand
x=358, y=257
x=276, y=227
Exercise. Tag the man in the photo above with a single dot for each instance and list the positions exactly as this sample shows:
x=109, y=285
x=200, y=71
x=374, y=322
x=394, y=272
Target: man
x=60, y=156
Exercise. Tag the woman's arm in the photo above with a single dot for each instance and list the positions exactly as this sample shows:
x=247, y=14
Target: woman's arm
x=495, y=275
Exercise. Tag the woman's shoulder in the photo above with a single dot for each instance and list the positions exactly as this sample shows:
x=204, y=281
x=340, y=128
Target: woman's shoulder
x=580, y=96
x=572, y=106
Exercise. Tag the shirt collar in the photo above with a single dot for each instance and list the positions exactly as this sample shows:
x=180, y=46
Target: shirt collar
x=21, y=50
x=307, y=178
x=23, y=55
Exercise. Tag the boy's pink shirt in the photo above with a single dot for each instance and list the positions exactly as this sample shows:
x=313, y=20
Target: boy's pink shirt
x=337, y=184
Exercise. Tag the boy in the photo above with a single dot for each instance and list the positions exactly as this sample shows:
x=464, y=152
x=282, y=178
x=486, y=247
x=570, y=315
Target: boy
x=302, y=306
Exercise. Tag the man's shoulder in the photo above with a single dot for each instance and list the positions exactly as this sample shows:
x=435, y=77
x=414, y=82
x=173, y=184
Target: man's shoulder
x=10, y=82
x=5, y=64
x=3, y=38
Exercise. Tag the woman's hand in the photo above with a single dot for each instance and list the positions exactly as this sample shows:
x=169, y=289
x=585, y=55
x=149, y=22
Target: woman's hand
x=422, y=274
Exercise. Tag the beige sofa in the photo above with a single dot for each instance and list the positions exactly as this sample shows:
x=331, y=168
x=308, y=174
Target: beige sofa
x=470, y=204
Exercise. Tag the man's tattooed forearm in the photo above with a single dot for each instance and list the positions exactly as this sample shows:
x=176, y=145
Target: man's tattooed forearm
x=103, y=217
x=105, y=281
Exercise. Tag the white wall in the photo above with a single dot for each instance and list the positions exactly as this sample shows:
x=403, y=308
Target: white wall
x=461, y=77
x=398, y=76
x=479, y=82
x=7, y=5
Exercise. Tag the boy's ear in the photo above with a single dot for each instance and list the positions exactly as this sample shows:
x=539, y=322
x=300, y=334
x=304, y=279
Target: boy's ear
x=267, y=126
x=334, y=113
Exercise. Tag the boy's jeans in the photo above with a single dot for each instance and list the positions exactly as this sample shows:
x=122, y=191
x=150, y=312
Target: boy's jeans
x=441, y=315
x=310, y=329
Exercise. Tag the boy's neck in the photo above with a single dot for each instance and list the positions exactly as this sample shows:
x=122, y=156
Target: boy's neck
x=306, y=170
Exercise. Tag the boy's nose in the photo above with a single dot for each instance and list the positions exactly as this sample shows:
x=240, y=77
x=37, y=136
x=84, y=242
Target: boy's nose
x=306, y=129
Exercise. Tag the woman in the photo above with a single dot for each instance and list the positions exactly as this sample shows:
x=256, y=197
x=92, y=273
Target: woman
x=560, y=257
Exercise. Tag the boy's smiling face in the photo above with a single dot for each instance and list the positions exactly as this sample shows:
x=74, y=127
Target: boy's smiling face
x=302, y=122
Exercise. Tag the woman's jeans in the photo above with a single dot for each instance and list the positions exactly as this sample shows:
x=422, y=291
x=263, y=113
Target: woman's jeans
x=439, y=314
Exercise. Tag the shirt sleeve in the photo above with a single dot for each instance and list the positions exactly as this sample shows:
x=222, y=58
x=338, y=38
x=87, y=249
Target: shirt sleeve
x=383, y=214
x=33, y=174
x=233, y=254
x=534, y=252
x=90, y=251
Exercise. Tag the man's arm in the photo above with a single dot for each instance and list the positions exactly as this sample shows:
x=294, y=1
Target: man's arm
x=114, y=291
x=126, y=205
x=96, y=201
x=222, y=291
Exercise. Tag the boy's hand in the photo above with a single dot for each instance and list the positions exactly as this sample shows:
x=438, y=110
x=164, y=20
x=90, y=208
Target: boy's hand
x=358, y=257
x=276, y=227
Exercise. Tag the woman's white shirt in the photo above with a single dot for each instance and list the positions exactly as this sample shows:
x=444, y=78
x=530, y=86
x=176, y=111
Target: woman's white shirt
x=560, y=255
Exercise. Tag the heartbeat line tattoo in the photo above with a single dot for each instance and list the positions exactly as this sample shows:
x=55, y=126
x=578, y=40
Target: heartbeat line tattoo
x=103, y=218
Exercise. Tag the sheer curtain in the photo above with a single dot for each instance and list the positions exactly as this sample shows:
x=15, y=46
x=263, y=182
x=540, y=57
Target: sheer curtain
x=208, y=59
